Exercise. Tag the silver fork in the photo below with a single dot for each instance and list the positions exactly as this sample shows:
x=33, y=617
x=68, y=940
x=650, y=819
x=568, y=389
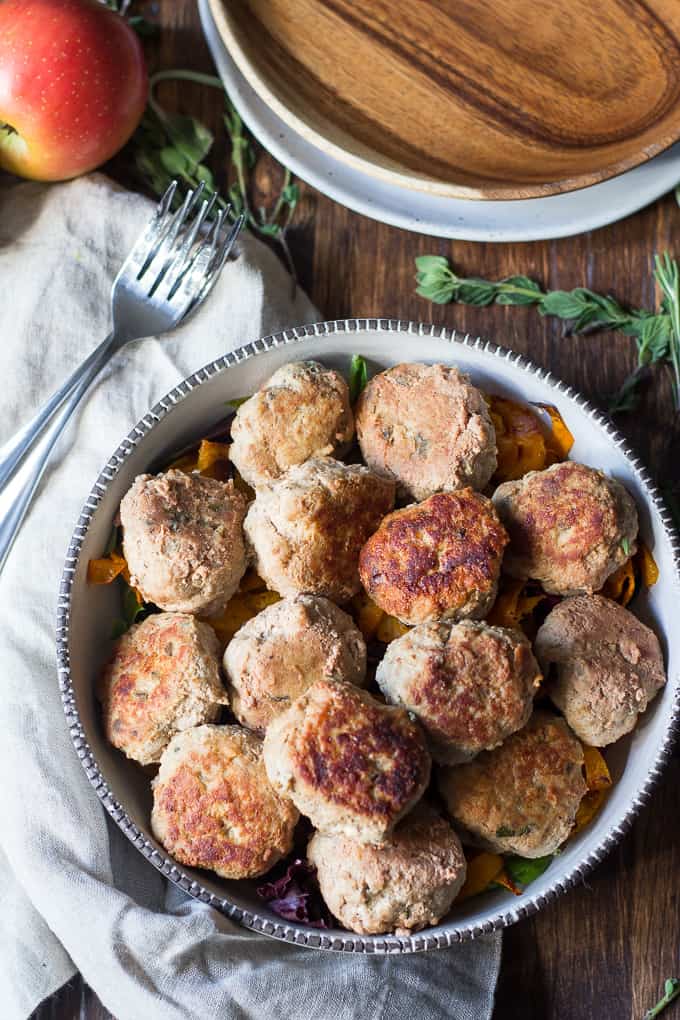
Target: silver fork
x=169, y=272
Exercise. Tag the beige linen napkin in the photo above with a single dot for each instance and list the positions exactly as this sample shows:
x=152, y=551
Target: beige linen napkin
x=74, y=894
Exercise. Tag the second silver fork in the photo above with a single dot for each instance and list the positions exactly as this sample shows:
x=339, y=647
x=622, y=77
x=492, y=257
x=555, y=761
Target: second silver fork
x=169, y=272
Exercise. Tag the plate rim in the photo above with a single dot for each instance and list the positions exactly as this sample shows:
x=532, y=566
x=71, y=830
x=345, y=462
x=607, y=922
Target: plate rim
x=282, y=931
x=435, y=187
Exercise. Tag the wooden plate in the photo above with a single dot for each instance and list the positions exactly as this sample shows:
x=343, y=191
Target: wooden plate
x=491, y=99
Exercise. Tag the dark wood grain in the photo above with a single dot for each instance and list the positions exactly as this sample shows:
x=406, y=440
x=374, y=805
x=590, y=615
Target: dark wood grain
x=604, y=949
x=492, y=98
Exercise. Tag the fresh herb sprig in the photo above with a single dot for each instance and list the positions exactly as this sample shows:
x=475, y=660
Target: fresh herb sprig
x=671, y=991
x=141, y=25
x=358, y=377
x=656, y=334
x=169, y=146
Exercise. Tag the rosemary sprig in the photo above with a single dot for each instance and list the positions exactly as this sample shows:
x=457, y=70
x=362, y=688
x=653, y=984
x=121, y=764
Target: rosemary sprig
x=584, y=310
x=169, y=146
x=671, y=991
x=667, y=276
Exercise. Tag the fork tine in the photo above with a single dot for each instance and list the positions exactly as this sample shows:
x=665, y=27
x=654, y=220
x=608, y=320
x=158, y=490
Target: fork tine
x=221, y=255
x=183, y=256
x=215, y=263
x=168, y=235
x=151, y=232
x=201, y=274
x=202, y=254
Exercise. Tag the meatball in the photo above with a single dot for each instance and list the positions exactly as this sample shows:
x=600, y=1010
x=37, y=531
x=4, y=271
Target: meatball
x=183, y=540
x=307, y=528
x=469, y=685
x=436, y=560
x=604, y=664
x=213, y=806
x=429, y=427
x=401, y=886
x=351, y=764
x=301, y=412
x=522, y=797
x=164, y=677
x=570, y=527
x=278, y=654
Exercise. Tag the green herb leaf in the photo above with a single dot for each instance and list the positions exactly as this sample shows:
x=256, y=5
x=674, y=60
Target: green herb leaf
x=142, y=26
x=132, y=608
x=667, y=275
x=523, y=870
x=518, y=290
x=671, y=991
x=431, y=263
x=113, y=540
x=358, y=377
x=625, y=545
x=237, y=401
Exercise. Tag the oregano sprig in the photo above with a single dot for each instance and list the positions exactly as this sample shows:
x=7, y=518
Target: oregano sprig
x=671, y=991
x=656, y=334
x=172, y=146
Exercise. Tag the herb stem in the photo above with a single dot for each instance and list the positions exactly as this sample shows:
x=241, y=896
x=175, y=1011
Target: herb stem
x=671, y=992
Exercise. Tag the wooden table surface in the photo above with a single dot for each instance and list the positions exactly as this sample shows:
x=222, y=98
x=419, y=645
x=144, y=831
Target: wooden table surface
x=604, y=949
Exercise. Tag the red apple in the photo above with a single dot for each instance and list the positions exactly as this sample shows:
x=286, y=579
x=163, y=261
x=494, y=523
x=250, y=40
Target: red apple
x=73, y=86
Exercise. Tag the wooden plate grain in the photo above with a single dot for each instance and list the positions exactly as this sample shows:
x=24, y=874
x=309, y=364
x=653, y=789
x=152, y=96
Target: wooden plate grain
x=494, y=99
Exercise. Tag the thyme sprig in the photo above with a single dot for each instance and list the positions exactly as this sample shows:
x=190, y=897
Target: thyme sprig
x=656, y=333
x=169, y=146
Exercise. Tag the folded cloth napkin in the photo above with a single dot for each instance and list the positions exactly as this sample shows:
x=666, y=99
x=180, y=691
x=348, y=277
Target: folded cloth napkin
x=75, y=894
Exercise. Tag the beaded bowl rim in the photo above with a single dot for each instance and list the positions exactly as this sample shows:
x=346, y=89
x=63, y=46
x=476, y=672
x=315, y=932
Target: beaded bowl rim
x=288, y=932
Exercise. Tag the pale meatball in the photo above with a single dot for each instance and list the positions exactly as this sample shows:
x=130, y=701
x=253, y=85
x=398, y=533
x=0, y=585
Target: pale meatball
x=183, y=540
x=604, y=665
x=469, y=685
x=351, y=764
x=287, y=647
x=213, y=806
x=428, y=427
x=570, y=527
x=307, y=528
x=400, y=886
x=436, y=560
x=303, y=411
x=163, y=677
x=522, y=797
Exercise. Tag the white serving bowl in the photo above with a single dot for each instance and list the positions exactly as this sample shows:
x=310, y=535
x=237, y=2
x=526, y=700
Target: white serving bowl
x=86, y=612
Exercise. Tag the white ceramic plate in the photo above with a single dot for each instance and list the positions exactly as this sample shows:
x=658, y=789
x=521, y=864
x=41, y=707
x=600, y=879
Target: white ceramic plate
x=466, y=219
x=85, y=612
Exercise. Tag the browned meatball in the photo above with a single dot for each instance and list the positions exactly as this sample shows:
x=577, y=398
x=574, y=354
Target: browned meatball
x=436, y=560
x=213, y=806
x=301, y=412
x=605, y=666
x=306, y=529
x=287, y=647
x=522, y=797
x=163, y=677
x=429, y=427
x=570, y=527
x=351, y=764
x=400, y=886
x=183, y=540
x=469, y=685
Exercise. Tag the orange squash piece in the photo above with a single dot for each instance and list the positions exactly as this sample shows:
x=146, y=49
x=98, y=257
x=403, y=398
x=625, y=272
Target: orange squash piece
x=620, y=586
x=482, y=870
x=107, y=568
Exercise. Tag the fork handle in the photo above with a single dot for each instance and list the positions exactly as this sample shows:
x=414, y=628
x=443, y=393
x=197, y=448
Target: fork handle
x=17, y=492
x=17, y=446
